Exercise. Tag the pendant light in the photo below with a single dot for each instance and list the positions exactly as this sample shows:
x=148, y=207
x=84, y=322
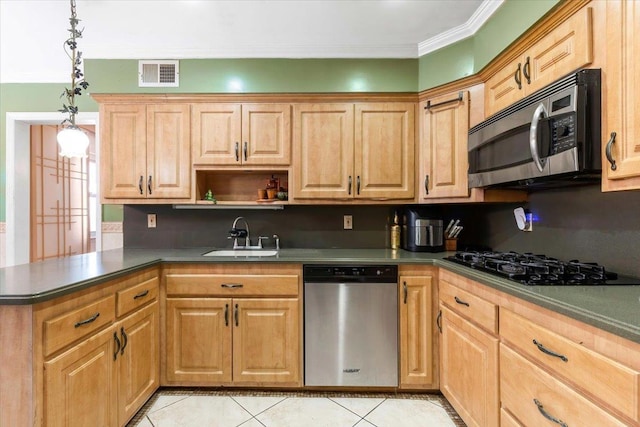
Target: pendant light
x=72, y=140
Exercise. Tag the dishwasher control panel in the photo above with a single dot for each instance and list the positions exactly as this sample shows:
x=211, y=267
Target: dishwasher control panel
x=360, y=273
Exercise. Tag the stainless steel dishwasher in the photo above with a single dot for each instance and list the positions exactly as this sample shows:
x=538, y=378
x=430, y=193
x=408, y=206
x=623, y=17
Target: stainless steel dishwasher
x=351, y=325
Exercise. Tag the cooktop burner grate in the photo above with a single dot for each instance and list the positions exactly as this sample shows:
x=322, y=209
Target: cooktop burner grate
x=534, y=269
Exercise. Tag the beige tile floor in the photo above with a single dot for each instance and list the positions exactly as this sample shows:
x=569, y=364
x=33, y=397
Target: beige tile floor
x=179, y=407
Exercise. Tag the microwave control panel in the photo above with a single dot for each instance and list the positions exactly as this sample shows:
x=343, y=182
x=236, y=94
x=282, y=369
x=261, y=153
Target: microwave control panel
x=563, y=133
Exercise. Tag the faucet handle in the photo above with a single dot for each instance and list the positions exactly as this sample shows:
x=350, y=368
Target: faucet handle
x=260, y=239
x=275, y=236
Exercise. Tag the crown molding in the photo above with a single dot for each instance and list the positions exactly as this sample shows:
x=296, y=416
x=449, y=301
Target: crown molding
x=461, y=32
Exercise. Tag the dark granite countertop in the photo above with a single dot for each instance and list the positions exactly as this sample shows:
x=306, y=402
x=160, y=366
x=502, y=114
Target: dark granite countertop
x=615, y=309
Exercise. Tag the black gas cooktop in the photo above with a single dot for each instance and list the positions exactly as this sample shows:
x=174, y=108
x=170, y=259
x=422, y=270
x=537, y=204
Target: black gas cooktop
x=532, y=269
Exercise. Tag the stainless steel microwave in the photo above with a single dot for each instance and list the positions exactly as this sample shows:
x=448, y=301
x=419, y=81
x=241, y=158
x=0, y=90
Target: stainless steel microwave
x=550, y=138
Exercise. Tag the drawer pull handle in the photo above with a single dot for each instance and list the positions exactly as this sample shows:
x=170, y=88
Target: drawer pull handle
x=125, y=340
x=549, y=352
x=459, y=301
x=142, y=294
x=232, y=285
x=115, y=338
x=89, y=320
x=547, y=415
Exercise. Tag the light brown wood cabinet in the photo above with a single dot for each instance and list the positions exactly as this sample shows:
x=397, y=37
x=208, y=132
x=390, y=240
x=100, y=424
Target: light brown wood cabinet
x=241, y=134
x=145, y=152
x=102, y=378
x=564, y=49
x=621, y=92
x=418, y=349
x=233, y=325
x=353, y=151
x=469, y=355
x=443, y=157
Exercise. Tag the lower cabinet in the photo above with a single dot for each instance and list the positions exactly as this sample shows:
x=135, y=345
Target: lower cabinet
x=233, y=325
x=418, y=342
x=97, y=373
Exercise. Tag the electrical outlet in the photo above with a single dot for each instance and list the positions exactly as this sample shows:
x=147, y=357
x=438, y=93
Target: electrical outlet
x=348, y=222
x=151, y=220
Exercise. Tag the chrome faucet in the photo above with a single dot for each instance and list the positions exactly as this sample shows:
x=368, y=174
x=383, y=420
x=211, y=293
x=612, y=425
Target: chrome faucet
x=236, y=233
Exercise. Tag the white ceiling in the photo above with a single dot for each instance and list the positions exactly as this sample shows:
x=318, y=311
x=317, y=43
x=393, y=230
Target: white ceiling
x=32, y=32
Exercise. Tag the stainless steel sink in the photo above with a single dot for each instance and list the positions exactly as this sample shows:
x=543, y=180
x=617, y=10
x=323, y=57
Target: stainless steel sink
x=242, y=252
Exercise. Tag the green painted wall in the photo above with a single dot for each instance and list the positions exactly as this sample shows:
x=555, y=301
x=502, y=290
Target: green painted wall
x=284, y=75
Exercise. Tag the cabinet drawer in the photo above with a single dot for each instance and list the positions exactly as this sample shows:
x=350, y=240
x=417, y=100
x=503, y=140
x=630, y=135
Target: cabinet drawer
x=482, y=312
x=601, y=377
x=136, y=296
x=230, y=285
x=533, y=396
x=73, y=325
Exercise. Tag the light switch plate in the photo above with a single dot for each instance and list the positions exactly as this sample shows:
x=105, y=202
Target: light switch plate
x=151, y=220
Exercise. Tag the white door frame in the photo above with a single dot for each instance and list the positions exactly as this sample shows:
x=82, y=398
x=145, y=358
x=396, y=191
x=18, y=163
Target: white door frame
x=18, y=172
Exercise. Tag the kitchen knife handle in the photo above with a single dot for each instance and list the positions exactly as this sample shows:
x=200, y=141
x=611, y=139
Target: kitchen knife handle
x=517, y=76
x=237, y=151
x=608, y=151
x=350, y=182
x=245, y=150
x=117, y=341
x=547, y=415
x=526, y=70
x=226, y=315
x=459, y=301
x=550, y=352
x=149, y=184
x=405, y=291
x=426, y=184
x=140, y=184
x=235, y=314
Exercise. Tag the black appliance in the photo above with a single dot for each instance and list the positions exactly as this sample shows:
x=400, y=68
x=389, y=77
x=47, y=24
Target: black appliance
x=534, y=270
x=549, y=139
x=422, y=232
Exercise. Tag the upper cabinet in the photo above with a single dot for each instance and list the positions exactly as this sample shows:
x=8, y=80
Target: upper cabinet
x=353, y=151
x=621, y=133
x=443, y=160
x=228, y=134
x=145, y=152
x=566, y=48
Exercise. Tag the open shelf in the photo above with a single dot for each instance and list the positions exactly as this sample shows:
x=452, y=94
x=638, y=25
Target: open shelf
x=237, y=188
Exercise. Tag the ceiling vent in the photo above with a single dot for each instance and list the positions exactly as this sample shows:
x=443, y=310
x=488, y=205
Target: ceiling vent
x=158, y=73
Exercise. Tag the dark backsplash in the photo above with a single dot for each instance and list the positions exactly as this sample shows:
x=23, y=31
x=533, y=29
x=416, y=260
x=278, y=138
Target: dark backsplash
x=574, y=223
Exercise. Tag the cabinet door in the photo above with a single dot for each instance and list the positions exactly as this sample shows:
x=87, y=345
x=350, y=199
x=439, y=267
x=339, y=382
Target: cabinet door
x=80, y=384
x=266, y=134
x=444, y=163
x=216, y=134
x=266, y=341
x=138, y=360
x=565, y=49
x=620, y=96
x=384, y=150
x=323, y=151
x=417, y=364
x=198, y=340
x=469, y=370
x=168, y=151
x=503, y=89
x=123, y=152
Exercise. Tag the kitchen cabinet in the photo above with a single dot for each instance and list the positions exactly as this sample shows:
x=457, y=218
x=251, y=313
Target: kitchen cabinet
x=621, y=89
x=99, y=357
x=564, y=49
x=418, y=349
x=353, y=151
x=469, y=355
x=233, y=325
x=230, y=134
x=443, y=157
x=145, y=152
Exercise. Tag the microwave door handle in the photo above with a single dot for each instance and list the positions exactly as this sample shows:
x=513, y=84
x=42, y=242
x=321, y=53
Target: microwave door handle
x=533, y=136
